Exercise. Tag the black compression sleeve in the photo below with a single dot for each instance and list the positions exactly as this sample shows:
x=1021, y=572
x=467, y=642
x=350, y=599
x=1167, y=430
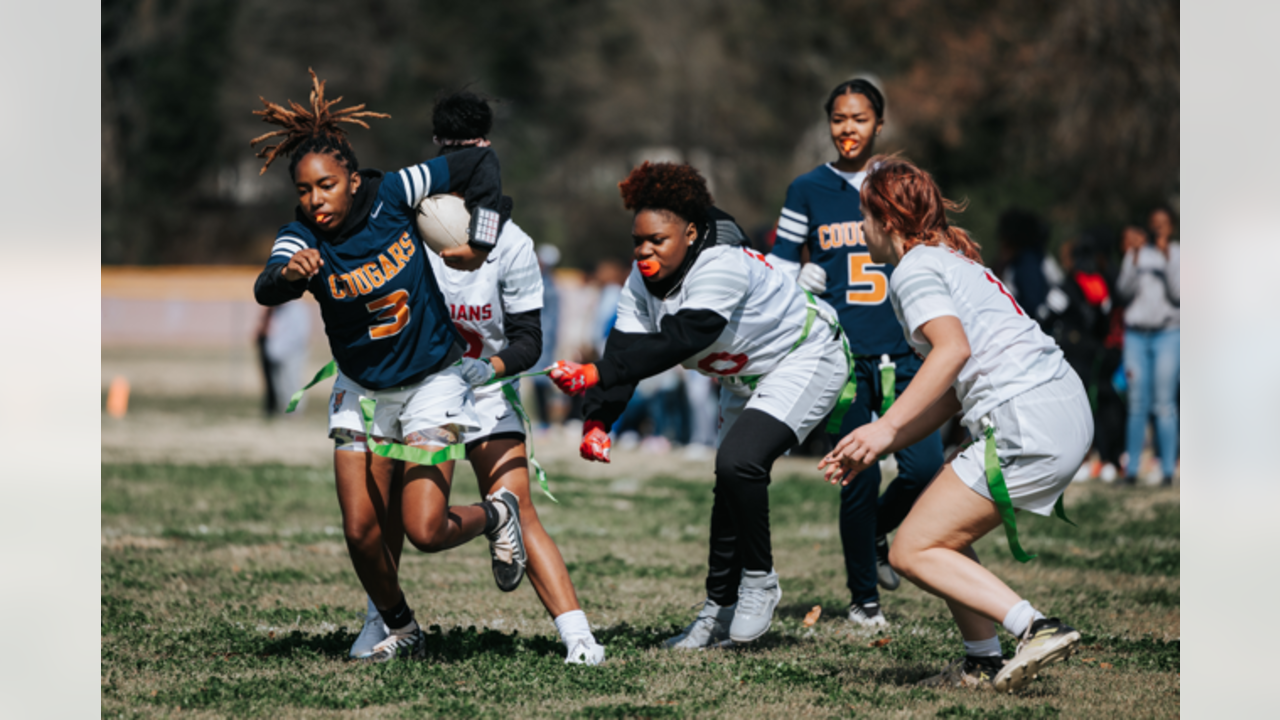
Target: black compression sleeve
x=682, y=336
x=272, y=289
x=606, y=404
x=475, y=173
x=524, y=341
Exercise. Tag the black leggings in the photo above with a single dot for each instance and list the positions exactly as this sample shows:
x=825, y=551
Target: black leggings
x=740, y=514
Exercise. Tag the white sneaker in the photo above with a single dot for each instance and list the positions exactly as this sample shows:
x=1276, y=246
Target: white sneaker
x=867, y=615
x=373, y=632
x=758, y=596
x=1108, y=474
x=506, y=543
x=407, y=642
x=709, y=630
x=585, y=651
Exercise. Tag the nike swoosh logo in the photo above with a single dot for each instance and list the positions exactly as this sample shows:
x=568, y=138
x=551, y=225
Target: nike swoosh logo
x=489, y=260
x=454, y=413
x=376, y=210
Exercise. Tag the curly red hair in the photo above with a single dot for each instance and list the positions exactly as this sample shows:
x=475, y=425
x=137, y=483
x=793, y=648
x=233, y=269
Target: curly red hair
x=678, y=189
x=907, y=201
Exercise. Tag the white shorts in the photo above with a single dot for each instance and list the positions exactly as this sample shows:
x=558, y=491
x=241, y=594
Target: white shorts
x=441, y=400
x=801, y=392
x=496, y=415
x=1042, y=437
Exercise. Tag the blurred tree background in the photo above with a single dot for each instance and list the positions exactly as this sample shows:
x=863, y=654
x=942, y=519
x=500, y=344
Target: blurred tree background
x=1069, y=109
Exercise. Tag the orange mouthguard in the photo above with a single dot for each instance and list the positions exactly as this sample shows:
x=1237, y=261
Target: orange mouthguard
x=848, y=145
x=648, y=268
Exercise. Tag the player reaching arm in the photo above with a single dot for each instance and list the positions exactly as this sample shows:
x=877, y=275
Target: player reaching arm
x=1019, y=398
x=699, y=298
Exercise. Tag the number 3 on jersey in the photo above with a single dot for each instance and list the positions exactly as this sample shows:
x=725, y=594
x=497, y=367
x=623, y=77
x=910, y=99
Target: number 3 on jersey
x=863, y=272
x=395, y=309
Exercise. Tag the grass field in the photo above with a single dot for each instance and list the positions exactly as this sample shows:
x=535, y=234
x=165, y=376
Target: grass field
x=226, y=592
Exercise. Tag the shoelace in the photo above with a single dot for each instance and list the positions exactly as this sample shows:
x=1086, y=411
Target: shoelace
x=504, y=545
x=752, y=600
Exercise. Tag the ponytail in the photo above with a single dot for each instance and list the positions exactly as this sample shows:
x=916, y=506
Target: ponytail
x=907, y=201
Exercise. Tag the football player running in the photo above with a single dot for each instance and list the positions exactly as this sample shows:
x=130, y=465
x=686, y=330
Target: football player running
x=497, y=311
x=1029, y=410
x=698, y=297
x=354, y=246
x=822, y=222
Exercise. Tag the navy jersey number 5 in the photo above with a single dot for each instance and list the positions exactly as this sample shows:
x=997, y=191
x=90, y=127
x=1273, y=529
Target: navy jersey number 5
x=823, y=214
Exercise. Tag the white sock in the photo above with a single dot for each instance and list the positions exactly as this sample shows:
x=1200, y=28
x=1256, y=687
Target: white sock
x=573, y=626
x=1020, y=618
x=983, y=648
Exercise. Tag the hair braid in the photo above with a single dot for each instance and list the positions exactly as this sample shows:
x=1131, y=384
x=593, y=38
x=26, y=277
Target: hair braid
x=307, y=130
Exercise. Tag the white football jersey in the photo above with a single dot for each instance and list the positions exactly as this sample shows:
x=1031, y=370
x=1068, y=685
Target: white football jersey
x=764, y=307
x=1009, y=354
x=509, y=281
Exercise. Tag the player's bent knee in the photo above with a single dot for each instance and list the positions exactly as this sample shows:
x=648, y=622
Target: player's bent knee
x=425, y=538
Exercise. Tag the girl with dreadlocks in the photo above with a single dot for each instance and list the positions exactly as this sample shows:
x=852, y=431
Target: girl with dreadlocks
x=355, y=247
x=496, y=309
x=984, y=357
x=699, y=298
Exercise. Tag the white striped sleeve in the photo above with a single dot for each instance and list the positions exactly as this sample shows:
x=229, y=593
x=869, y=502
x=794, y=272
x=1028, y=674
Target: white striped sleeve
x=417, y=183
x=791, y=229
x=921, y=293
x=719, y=282
x=285, y=247
x=520, y=279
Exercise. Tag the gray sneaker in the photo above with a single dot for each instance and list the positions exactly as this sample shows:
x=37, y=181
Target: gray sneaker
x=758, y=596
x=506, y=543
x=709, y=630
x=885, y=575
x=373, y=632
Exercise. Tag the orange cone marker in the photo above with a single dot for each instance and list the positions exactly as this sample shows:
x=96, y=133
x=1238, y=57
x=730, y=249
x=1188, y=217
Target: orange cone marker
x=118, y=397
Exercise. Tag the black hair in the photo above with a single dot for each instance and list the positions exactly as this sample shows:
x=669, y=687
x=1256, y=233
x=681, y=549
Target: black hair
x=462, y=115
x=857, y=86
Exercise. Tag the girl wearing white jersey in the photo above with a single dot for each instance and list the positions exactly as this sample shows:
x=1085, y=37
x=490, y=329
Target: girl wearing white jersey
x=699, y=298
x=496, y=310
x=1027, y=407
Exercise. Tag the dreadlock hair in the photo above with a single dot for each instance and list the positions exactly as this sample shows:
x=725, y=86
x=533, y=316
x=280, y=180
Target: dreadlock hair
x=907, y=201
x=461, y=116
x=315, y=130
x=678, y=189
x=857, y=86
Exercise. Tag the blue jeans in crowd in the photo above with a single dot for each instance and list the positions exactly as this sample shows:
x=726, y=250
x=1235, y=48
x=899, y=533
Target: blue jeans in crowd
x=1152, y=366
x=864, y=513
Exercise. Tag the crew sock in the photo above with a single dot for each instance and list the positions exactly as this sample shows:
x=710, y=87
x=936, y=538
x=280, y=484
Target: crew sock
x=1020, y=618
x=492, y=516
x=983, y=648
x=397, y=616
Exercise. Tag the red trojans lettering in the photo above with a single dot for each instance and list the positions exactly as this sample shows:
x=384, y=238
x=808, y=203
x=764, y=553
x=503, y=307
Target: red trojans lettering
x=723, y=363
x=470, y=312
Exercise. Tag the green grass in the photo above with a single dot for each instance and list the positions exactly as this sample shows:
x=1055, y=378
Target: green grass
x=226, y=591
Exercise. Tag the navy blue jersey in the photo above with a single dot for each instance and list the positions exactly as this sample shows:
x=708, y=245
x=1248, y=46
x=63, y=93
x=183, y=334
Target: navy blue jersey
x=822, y=213
x=383, y=312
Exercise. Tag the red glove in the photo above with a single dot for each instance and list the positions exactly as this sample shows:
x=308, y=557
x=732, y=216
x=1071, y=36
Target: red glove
x=572, y=378
x=595, y=441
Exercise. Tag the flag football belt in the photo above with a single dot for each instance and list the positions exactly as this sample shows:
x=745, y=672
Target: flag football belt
x=1000, y=495
x=850, y=389
x=418, y=456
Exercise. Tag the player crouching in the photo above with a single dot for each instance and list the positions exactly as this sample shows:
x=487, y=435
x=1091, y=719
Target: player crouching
x=1021, y=400
x=699, y=298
